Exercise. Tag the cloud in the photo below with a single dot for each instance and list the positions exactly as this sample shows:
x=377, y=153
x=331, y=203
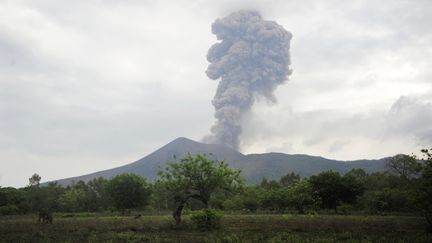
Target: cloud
x=88, y=85
x=336, y=133
x=411, y=116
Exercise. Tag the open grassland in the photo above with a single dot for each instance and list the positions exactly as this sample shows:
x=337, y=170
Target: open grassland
x=235, y=228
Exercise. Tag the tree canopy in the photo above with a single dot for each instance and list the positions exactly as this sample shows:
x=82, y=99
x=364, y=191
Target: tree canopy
x=197, y=177
x=128, y=191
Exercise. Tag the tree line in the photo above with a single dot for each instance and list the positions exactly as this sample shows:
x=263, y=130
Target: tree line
x=196, y=182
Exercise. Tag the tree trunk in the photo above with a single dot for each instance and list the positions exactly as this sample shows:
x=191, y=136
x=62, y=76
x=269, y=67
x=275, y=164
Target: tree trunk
x=177, y=214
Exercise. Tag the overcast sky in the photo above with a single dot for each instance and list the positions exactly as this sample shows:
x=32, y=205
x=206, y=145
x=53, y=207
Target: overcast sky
x=93, y=84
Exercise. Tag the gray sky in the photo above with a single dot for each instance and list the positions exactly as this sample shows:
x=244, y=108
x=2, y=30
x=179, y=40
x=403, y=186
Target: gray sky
x=91, y=85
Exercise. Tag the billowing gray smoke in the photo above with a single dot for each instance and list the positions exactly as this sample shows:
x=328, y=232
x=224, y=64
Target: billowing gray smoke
x=251, y=60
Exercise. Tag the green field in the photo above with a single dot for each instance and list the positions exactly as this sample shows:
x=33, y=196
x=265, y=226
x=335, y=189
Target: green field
x=235, y=228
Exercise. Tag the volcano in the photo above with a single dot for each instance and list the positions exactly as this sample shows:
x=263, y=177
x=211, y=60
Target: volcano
x=253, y=167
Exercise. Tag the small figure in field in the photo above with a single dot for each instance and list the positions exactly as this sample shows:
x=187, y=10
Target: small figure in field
x=138, y=216
x=45, y=217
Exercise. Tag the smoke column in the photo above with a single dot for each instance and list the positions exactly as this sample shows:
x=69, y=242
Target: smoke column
x=251, y=60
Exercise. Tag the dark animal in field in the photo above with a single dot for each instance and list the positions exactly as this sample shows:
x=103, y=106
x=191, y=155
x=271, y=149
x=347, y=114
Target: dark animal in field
x=45, y=217
x=138, y=216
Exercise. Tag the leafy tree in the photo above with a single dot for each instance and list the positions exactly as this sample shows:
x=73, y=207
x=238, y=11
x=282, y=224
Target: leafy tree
x=34, y=180
x=161, y=197
x=352, y=188
x=289, y=179
x=386, y=200
x=73, y=200
x=12, y=201
x=251, y=198
x=407, y=167
x=359, y=175
x=327, y=186
x=300, y=196
x=423, y=188
x=233, y=203
x=42, y=198
x=332, y=189
x=127, y=191
x=275, y=199
x=98, y=193
x=272, y=184
x=197, y=177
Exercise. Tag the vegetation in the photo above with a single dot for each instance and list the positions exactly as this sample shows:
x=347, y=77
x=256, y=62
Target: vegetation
x=198, y=178
x=292, y=208
x=234, y=228
x=127, y=191
x=206, y=219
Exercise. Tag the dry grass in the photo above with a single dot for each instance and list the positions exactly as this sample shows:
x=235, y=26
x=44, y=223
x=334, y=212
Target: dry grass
x=236, y=228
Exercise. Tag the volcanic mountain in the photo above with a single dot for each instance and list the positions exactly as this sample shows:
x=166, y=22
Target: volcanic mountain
x=254, y=167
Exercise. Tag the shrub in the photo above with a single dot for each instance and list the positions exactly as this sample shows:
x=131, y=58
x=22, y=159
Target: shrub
x=345, y=208
x=9, y=210
x=206, y=219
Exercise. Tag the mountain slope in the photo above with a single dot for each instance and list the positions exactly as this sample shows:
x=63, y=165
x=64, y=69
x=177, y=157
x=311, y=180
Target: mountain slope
x=253, y=166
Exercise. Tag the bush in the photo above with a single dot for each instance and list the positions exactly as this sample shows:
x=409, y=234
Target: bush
x=9, y=210
x=345, y=208
x=206, y=219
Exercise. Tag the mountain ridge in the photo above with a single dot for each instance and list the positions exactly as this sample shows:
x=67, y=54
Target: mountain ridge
x=254, y=167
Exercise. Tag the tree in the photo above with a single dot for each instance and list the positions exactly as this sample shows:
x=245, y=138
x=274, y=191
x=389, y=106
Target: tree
x=289, y=179
x=300, y=195
x=327, y=186
x=12, y=201
x=73, y=200
x=403, y=165
x=423, y=188
x=197, y=177
x=352, y=188
x=275, y=199
x=332, y=189
x=34, y=180
x=272, y=184
x=251, y=197
x=98, y=190
x=128, y=191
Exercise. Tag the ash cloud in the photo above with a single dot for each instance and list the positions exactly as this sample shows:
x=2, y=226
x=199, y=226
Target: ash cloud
x=251, y=60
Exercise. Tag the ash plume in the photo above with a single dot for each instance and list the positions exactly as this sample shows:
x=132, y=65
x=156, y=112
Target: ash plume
x=251, y=60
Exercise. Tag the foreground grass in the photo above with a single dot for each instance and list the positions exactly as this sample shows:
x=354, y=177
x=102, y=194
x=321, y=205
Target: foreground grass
x=236, y=228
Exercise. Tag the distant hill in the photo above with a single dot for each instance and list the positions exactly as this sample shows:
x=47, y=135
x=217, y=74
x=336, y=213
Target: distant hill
x=253, y=166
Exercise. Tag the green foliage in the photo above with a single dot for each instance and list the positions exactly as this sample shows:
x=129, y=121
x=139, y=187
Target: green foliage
x=300, y=196
x=206, y=219
x=405, y=166
x=199, y=178
x=13, y=201
x=233, y=203
x=127, y=191
x=275, y=199
x=386, y=200
x=10, y=209
x=331, y=189
x=250, y=197
x=97, y=192
x=272, y=184
x=289, y=179
x=44, y=198
x=73, y=200
x=34, y=180
x=423, y=188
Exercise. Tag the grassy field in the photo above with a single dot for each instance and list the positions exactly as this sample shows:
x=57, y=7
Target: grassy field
x=236, y=228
